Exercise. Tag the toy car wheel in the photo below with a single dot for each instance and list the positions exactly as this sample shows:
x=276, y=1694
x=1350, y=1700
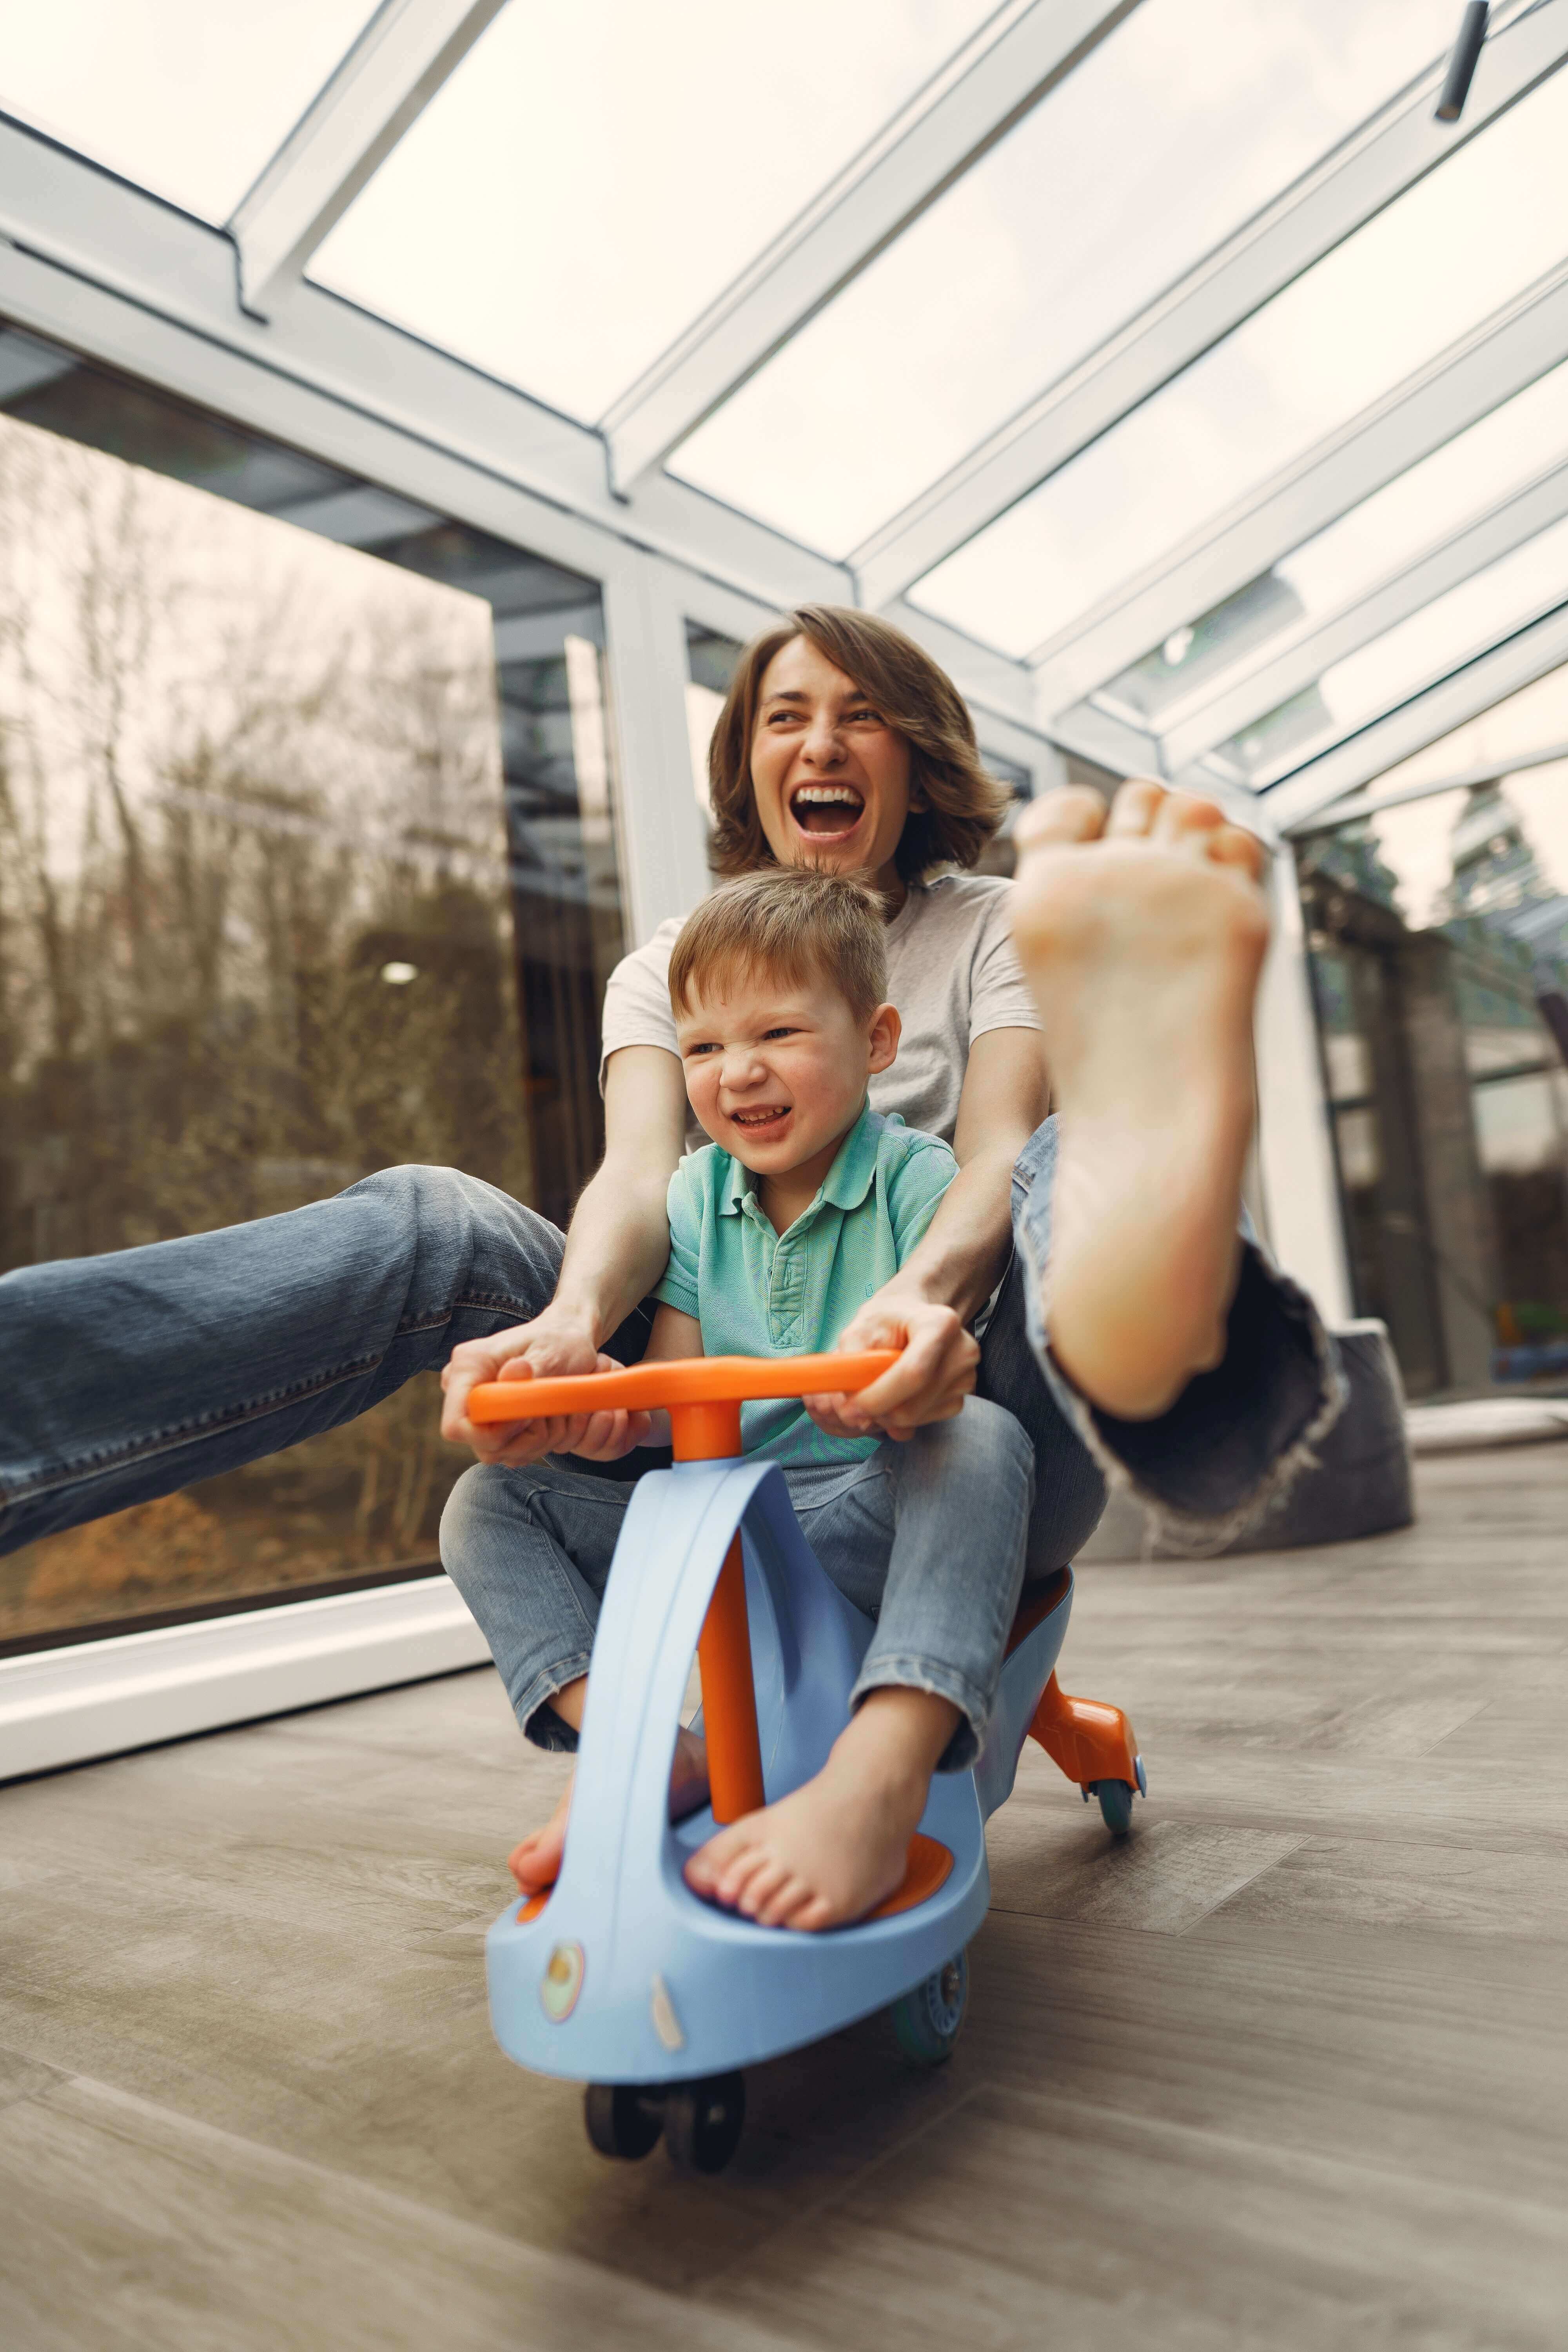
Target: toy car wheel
x=926, y=2021
x=702, y=2122
x=1116, y=1805
x=621, y=2119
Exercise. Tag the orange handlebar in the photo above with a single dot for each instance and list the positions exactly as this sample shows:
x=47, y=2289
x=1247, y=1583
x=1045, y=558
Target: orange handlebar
x=693, y=1380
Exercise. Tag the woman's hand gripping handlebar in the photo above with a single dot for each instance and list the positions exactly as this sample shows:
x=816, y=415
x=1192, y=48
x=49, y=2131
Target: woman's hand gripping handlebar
x=701, y=1394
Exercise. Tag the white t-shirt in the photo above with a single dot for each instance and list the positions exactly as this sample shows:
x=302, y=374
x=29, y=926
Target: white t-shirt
x=951, y=974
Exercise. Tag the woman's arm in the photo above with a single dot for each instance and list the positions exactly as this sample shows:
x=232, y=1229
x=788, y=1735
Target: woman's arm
x=616, y=1249
x=941, y=1286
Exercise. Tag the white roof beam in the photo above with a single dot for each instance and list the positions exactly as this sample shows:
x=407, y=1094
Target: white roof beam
x=1464, y=384
x=1303, y=661
x=103, y=269
x=1463, y=695
x=1018, y=55
x=1491, y=771
x=388, y=78
x=1362, y=175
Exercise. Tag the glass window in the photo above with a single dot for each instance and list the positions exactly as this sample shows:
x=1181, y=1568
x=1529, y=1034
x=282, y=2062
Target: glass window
x=1433, y=642
x=710, y=660
x=1469, y=475
x=183, y=98
x=1165, y=139
x=306, y=870
x=592, y=176
x=1439, y=937
x=1451, y=250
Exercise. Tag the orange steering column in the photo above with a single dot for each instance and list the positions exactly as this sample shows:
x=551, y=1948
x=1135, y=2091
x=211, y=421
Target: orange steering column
x=702, y=1396
x=707, y=1432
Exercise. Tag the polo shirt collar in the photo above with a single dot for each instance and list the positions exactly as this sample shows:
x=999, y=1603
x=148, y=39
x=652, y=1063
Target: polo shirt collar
x=847, y=1183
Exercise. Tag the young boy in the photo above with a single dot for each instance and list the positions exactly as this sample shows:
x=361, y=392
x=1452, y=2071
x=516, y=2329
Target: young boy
x=801, y=1205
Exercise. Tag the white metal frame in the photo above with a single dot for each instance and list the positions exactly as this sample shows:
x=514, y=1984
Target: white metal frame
x=1295, y=1147
x=1467, y=382
x=1398, y=147
x=1463, y=695
x=1303, y=657
x=984, y=89
x=356, y=119
x=1360, y=805
x=95, y=1699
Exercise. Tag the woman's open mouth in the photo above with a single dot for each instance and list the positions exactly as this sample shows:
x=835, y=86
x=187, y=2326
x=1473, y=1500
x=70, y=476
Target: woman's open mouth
x=827, y=811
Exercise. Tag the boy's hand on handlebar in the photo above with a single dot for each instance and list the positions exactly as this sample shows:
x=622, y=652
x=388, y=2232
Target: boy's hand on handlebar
x=930, y=1381
x=534, y=1350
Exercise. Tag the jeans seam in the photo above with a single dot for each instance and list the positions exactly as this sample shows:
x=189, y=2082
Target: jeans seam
x=162, y=1441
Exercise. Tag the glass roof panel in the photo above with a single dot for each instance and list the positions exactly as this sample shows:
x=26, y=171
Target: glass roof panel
x=1420, y=509
x=1451, y=630
x=183, y=98
x=1433, y=265
x=1534, y=718
x=1179, y=126
x=592, y=176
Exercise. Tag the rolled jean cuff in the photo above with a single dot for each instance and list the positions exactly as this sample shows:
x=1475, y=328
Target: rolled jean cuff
x=540, y=1722
x=942, y=1682
x=1238, y=1438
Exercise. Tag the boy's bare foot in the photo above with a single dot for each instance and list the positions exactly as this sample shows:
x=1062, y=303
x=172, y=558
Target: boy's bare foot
x=1142, y=936
x=838, y=1846
x=536, y=1863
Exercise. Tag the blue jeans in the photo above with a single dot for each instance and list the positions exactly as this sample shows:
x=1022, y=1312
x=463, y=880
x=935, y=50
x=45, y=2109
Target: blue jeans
x=127, y=1376
x=925, y=1537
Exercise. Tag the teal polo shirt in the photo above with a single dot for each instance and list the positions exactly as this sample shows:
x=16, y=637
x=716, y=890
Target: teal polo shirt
x=758, y=1293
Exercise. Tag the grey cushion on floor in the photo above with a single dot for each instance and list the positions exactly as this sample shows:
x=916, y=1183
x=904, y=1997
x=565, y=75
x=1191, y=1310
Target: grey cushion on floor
x=1361, y=1487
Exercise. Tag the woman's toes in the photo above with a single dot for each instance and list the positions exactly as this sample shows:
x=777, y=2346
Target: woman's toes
x=1232, y=844
x=1184, y=820
x=1072, y=813
x=1134, y=810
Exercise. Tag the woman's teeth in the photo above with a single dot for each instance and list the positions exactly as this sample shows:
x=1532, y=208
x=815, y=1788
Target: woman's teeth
x=826, y=808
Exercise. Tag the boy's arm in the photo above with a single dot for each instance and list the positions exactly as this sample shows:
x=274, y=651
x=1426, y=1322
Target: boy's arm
x=609, y=1435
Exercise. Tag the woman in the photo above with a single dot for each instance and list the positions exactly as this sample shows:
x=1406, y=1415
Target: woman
x=1177, y=1361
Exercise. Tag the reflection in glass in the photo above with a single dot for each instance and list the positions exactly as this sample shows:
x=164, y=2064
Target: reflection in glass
x=1158, y=144
x=710, y=660
x=592, y=176
x=1417, y=278
x=297, y=880
x=1439, y=930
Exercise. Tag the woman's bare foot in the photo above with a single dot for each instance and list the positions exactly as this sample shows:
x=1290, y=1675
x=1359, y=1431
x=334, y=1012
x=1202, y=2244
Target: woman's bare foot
x=838, y=1846
x=536, y=1863
x=1142, y=936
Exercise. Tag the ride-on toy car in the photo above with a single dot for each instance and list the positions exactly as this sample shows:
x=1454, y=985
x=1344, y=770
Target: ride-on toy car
x=618, y=1976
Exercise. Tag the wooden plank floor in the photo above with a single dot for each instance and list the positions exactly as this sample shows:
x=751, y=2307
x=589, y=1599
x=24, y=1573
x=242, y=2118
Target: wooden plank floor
x=1289, y=2068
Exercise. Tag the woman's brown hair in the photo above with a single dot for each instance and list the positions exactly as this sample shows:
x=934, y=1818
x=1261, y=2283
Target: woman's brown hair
x=955, y=806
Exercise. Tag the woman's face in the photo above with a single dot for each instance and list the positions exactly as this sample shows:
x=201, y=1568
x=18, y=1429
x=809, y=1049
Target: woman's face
x=831, y=777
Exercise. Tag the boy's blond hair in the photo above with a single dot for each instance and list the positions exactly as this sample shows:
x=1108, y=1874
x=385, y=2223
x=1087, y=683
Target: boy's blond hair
x=793, y=923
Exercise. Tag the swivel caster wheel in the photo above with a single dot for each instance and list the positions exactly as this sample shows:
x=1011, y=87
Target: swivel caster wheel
x=927, y=2019
x=623, y=2119
x=1116, y=1799
x=703, y=2121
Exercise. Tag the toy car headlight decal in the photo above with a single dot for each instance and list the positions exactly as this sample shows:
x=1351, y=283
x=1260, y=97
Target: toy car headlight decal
x=562, y=1982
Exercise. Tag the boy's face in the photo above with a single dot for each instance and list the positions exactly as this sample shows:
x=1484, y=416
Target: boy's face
x=776, y=1070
